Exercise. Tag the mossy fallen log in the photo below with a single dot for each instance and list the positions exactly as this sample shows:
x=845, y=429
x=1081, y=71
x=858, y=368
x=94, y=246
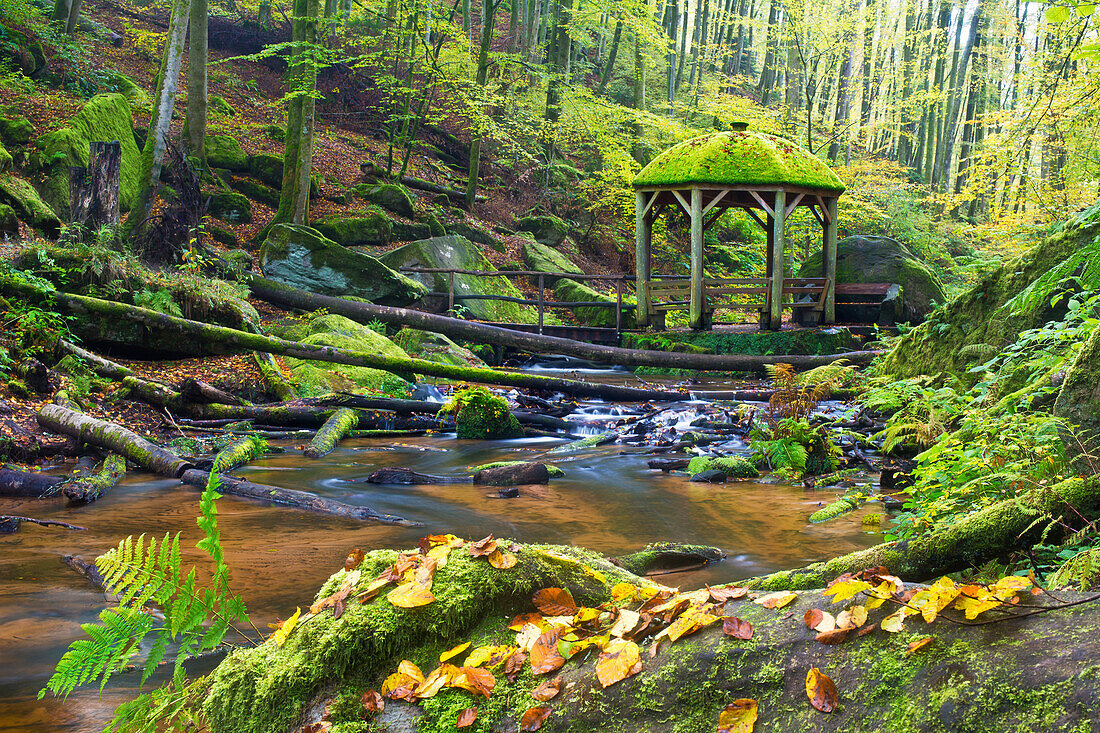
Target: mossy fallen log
x=274, y=380
x=102, y=367
x=663, y=557
x=91, y=486
x=456, y=328
x=342, y=421
x=837, y=508
x=288, y=497
x=241, y=451
x=1008, y=525
x=113, y=437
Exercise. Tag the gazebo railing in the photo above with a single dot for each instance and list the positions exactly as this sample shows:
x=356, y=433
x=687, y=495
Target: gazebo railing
x=672, y=293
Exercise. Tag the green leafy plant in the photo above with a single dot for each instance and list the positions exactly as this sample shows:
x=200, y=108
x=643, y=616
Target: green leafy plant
x=793, y=446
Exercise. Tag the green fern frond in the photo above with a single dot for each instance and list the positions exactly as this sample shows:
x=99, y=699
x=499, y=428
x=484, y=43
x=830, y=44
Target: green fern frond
x=112, y=643
x=1082, y=570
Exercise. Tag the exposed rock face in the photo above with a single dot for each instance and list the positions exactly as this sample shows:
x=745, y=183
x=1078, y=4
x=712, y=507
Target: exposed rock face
x=106, y=117
x=303, y=257
x=548, y=230
x=541, y=258
x=862, y=259
x=453, y=252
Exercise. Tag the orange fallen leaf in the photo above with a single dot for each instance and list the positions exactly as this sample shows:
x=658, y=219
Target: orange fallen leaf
x=502, y=560
x=483, y=547
x=533, y=719
x=777, y=600
x=548, y=690
x=355, y=558
x=545, y=657
x=555, y=602
x=835, y=636
x=617, y=662
x=919, y=644
x=729, y=593
x=821, y=691
x=411, y=595
x=738, y=717
x=373, y=702
x=476, y=680
x=523, y=619
x=813, y=617
x=737, y=628
x=514, y=665
x=466, y=718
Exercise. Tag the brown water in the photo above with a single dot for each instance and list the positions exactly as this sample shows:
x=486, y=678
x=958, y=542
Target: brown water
x=608, y=502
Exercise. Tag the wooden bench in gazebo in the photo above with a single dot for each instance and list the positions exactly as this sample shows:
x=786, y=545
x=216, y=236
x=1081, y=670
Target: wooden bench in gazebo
x=766, y=176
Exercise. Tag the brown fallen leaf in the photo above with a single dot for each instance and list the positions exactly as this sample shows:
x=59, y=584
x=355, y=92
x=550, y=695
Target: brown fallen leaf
x=502, y=560
x=813, y=617
x=738, y=717
x=618, y=661
x=373, y=702
x=919, y=644
x=533, y=719
x=737, y=628
x=321, y=726
x=476, y=680
x=729, y=593
x=545, y=657
x=777, y=600
x=821, y=691
x=355, y=558
x=836, y=636
x=483, y=547
x=466, y=718
x=555, y=602
x=867, y=629
x=548, y=690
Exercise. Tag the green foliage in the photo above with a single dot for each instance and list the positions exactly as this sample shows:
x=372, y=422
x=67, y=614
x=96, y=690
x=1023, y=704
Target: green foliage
x=481, y=415
x=160, y=300
x=196, y=617
x=1082, y=569
x=793, y=446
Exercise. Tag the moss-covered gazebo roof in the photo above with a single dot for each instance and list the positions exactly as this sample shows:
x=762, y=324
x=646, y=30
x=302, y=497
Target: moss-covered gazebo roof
x=739, y=159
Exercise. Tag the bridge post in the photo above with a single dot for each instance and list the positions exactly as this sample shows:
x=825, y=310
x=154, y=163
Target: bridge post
x=642, y=234
x=828, y=259
x=775, y=256
x=696, y=318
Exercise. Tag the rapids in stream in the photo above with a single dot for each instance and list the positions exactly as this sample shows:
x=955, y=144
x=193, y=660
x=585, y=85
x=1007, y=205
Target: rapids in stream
x=608, y=501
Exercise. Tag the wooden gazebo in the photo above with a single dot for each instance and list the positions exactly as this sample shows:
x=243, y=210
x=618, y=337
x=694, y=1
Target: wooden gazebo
x=768, y=177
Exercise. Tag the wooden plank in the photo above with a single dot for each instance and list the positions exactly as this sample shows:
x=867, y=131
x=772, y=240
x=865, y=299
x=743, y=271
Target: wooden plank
x=863, y=288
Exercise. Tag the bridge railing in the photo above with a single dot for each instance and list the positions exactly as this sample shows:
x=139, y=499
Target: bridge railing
x=542, y=303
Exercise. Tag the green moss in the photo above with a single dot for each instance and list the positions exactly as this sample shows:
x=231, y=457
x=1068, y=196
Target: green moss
x=732, y=466
x=836, y=509
x=30, y=207
x=571, y=291
x=481, y=415
x=223, y=151
x=554, y=471
x=357, y=229
x=811, y=341
x=435, y=347
x=739, y=159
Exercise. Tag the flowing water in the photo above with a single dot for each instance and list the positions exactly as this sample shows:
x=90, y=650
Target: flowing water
x=609, y=501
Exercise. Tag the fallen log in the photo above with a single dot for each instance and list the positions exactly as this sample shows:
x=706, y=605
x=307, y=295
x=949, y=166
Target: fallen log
x=274, y=380
x=87, y=569
x=289, y=497
x=113, y=437
x=408, y=477
x=412, y=407
x=84, y=489
x=665, y=557
x=511, y=475
x=456, y=328
x=99, y=365
x=9, y=523
x=238, y=453
x=198, y=392
x=22, y=484
x=1008, y=525
x=239, y=341
x=336, y=427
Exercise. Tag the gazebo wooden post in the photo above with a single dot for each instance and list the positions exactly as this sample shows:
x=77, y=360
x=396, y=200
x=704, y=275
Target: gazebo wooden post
x=775, y=258
x=643, y=233
x=696, y=319
x=828, y=258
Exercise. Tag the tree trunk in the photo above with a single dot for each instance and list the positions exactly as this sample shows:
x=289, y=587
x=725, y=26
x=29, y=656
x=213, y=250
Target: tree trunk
x=482, y=76
x=86, y=488
x=74, y=17
x=21, y=484
x=559, y=60
x=951, y=126
x=194, y=123
x=639, y=99
x=840, y=118
x=336, y=427
x=301, y=110
x=152, y=156
x=609, y=66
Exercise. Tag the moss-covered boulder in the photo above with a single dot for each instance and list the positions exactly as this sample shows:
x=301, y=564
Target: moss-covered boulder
x=256, y=191
x=435, y=347
x=540, y=258
x=9, y=222
x=730, y=466
x=459, y=253
x=303, y=257
x=5, y=159
x=861, y=259
x=548, y=230
x=223, y=151
x=475, y=233
x=571, y=291
x=30, y=207
x=267, y=168
x=218, y=105
x=21, y=50
x=739, y=158
x=274, y=132
x=481, y=415
x=357, y=229
x=406, y=232
x=313, y=378
x=105, y=117
x=230, y=206
x=15, y=130
x=127, y=87
x=1078, y=403
x=387, y=195
x=1010, y=299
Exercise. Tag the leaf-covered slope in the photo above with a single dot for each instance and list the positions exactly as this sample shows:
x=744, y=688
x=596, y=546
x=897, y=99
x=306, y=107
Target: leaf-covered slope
x=1013, y=298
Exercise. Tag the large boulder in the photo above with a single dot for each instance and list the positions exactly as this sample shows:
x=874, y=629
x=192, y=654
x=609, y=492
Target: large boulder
x=303, y=257
x=540, y=258
x=15, y=130
x=105, y=118
x=861, y=259
x=548, y=230
x=357, y=229
x=30, y=207
x=435, y=347
x=230, y=206
x=9, y=222
x=571, y=291
x=5, y=159
x=388, y=196
x=314, y=378
x=459, y=253
x=474, y=233
x=223, y=151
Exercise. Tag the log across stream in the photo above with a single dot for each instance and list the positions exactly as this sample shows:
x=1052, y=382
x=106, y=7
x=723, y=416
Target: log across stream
x=607, y=501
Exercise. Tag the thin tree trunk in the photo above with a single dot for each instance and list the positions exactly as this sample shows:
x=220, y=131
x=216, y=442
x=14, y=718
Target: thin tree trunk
x=301, y=110
x=559, y=59
x=609, y=67
x=482, y=75
x=951, y=127
x=194, y=123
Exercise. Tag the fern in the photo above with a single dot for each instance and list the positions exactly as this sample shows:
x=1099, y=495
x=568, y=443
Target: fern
x=141, y=574
x=1082, y=570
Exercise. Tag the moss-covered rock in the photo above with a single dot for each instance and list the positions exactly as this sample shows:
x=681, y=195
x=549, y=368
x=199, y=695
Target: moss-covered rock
x=104, y=117
x=984, y=315
x=475, y=233
x=357, y=229
x=459, y=253
x=481, y=415
x=739, y=158
x=30, y=207
x=551, y=470
x=435, y=347
x=861, y=259
x=22, y=50
x=127, y=87
x=548, y=230
x=731, y=466
x=313, y=378
x=218, y=105
x=303, y=257
x=5, y=159
x=388, y=196
x=223, y=151
x=571, y=291
x=267, y=168
x=223, y=236
x=9, y=222
x=274, y=132
x=232, y=207
x=405, y=232
x=16, y=130
x=1078, y=403
x=540, y=258
x=256, y=191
